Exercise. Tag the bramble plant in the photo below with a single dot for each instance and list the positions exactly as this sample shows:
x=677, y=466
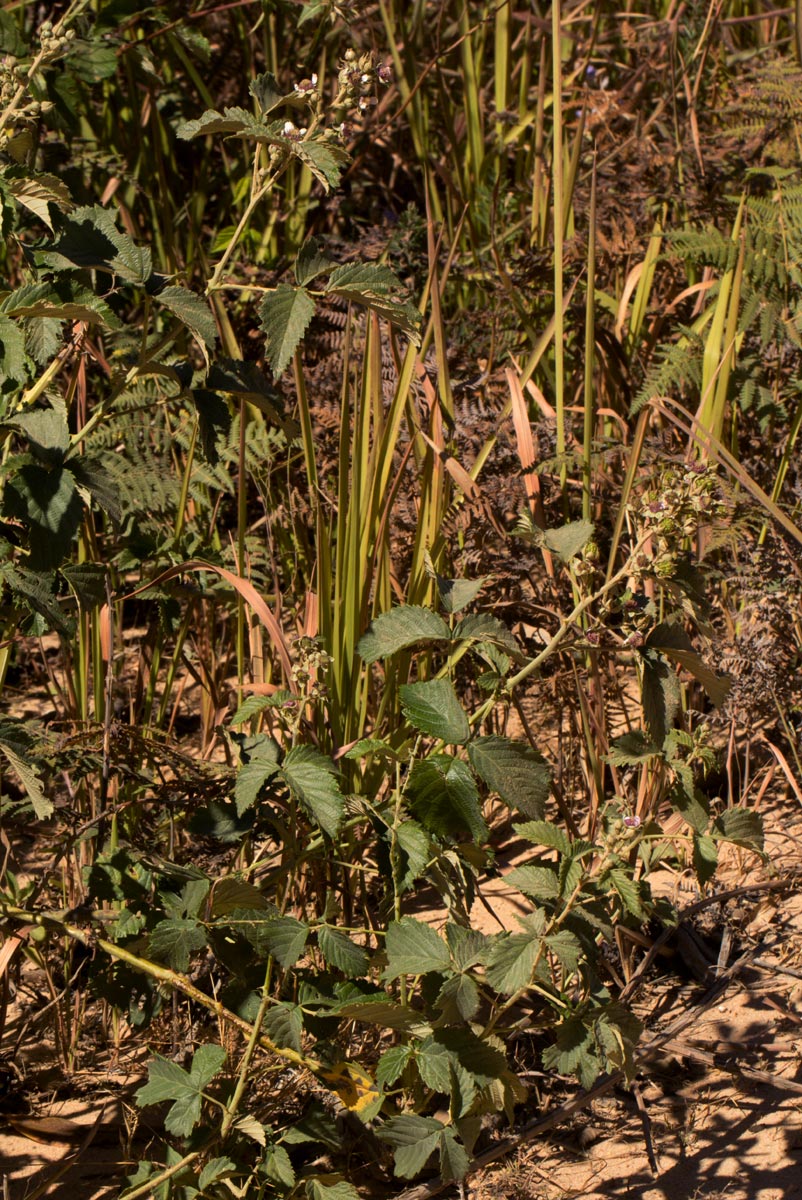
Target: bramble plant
x=307, y=688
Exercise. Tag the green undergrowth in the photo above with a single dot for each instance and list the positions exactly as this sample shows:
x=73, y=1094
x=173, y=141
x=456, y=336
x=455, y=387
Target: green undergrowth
x=288, y=743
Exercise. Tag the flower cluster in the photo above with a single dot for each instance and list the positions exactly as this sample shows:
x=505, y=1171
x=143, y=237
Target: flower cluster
x=682, y=500
x=310, y=668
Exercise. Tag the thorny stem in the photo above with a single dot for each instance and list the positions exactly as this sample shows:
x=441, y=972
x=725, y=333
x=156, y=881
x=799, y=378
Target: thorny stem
x=257, y=196
x=162, y=974
x=253, y=1041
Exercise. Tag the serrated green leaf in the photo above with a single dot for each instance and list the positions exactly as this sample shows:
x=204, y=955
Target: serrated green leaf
x=250, y=1127
x=311, y=262
x=514, y=770
x=385, y=1014
x=567, y=541
x=454, y=1161
x=250, y=707
x=434, y=708
x=167, y=1081
x=705, y=857
x=46, y=430
x=312, y=779
x=28, y=776
x=392, y=1064
x=251, y=778
x=284, y=938
x=325, y=159
x=414, y=948
x=414, y=1139
x=34, y=588
x=340, y=952
x=743, y=826
x=61, y=300
x=90, y=238
x=193, y=312
x=544, y=833
x=415, y=843
x=371, y=284
x=482, y=627
x=230, y=121
x=285, y=315
x=88, y=581
x=445, y=798
x=467, y=946
x=49, y=503
x=266, y=92
x=37, y=192
x=175, y=941
x=399, y=629
x=284, y=1024
x=627, y=888
x=566, y=948
x=574, y=1051
x=434, y=1066
x=631, y=749
x=277, y=1166
x=540, y=882
x=671, y=640
x=511, y=960
x=660, y=696
x=458, y=999
x=11, y=38
x=13, y=360
x=456, y=594
x=373, y=278
x=316, y=1189
x=216, y=1168
x=475, y=1054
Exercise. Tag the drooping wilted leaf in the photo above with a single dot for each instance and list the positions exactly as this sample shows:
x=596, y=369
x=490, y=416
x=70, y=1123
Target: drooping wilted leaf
x=285, y=315
x=400, y=628
x=433, y=707
x=660, y=696
x=515, y=771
